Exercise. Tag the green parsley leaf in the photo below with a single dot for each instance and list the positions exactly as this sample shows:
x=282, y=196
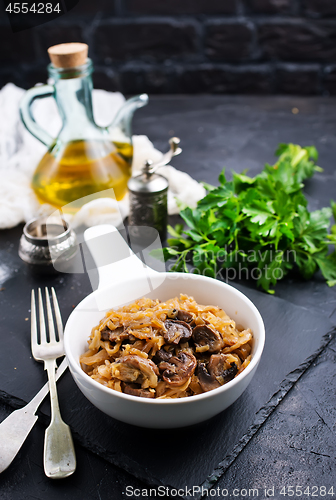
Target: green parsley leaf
x=258, y=224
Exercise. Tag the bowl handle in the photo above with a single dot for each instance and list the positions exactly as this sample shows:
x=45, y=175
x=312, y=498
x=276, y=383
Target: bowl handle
x=114, y=259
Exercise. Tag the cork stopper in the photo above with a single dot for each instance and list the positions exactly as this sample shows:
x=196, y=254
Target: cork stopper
x=68, y=55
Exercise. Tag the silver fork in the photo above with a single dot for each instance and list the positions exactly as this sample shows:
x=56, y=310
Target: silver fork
x=59, y=454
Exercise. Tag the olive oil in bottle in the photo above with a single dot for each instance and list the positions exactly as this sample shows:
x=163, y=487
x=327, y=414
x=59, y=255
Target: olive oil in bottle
x=81, y=168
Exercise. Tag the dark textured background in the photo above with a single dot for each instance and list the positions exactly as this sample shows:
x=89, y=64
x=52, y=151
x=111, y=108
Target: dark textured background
x=188, y=46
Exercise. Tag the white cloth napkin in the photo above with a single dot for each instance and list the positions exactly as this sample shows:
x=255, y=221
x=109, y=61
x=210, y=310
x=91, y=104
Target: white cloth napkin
x=20, y=153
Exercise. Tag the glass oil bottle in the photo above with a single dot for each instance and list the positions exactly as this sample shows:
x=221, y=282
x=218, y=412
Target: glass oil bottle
x=84, y=158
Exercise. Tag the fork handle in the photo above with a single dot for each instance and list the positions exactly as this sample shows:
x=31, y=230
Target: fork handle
x=59, y=453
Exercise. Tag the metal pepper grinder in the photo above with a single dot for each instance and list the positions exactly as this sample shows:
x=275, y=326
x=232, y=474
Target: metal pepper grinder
x=148, y=193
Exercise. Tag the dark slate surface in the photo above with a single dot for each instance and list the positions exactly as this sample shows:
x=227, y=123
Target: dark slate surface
x=221, y=140
x=296, y=446
x=94, y=479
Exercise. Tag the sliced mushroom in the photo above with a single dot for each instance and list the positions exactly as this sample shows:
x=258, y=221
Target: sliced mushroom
x=114, y=335
x=206, y=380
x=163, y=354
x=180, y=315
x=229, y=373
x=135, y=390
x=203, y=357
x=134, y=368
x=223, y=367
x=178, y=369
x=220, y=370
x=176, y=331
x=206, y=337
x=185, y=316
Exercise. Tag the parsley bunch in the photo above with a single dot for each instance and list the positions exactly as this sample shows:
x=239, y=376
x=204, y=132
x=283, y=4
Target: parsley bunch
x=259, y=226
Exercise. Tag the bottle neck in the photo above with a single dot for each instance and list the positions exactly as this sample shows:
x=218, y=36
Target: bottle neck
x=73, y=94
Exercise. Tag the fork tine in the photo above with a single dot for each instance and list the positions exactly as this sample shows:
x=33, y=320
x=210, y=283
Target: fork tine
x=52, y=336
x=57, y=314
x=43, y=335
x=33, y=324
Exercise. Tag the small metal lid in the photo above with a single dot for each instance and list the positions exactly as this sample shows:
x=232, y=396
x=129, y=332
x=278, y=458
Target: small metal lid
x=45, y=231
x=145, y=184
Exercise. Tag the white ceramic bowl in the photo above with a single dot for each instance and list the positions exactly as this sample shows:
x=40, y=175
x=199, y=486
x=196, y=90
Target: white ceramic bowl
x=116, y=290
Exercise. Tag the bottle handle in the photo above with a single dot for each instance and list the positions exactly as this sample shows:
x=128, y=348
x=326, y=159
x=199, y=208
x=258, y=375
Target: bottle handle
x=26, y=112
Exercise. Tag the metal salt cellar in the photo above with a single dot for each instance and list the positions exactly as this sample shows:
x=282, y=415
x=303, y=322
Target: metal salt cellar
x=148, y=193
x=46, y=240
